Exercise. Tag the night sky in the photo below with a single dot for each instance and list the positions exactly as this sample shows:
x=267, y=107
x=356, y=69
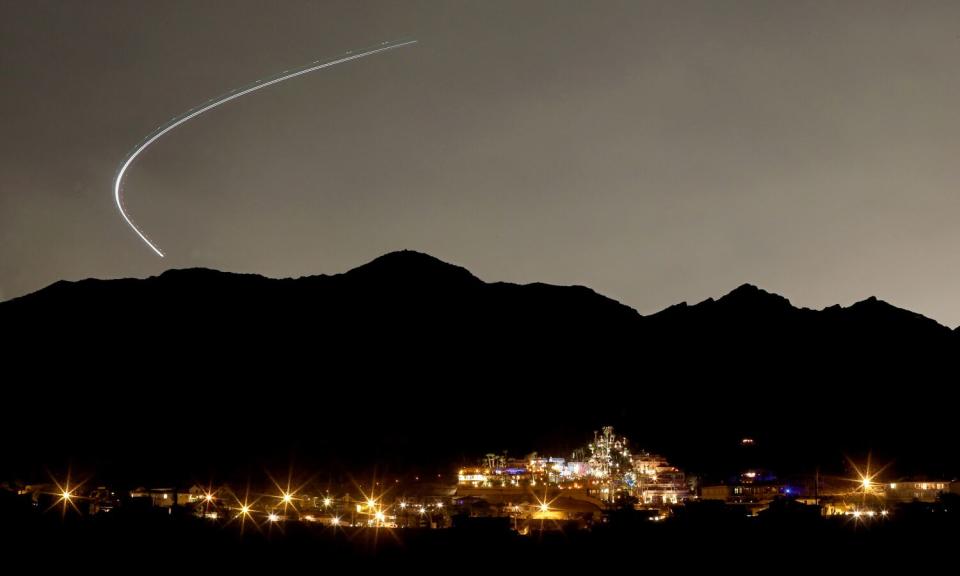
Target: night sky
x=654, y=151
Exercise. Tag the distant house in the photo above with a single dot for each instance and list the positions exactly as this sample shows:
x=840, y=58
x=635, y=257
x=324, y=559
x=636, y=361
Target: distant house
x=916, y=490
x=167, y=497
x=741, y=493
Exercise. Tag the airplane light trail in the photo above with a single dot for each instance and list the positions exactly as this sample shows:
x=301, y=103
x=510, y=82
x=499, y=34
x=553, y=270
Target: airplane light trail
x=213, y=103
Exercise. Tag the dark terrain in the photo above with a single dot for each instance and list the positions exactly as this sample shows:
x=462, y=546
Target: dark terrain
x=413, y=364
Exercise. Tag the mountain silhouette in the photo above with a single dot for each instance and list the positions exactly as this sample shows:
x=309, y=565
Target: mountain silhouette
x=411, y=361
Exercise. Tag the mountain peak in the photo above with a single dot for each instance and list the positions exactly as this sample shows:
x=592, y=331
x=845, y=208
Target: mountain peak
x=750, y=295
x=413, y=266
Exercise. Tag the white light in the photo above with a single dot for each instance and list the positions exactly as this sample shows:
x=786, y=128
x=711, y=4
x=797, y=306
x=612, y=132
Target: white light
x=273, y=517
x=327, y=501
x=231, y=96
x=335, y=521
x=287, y=498
x=403, y=505
x=379, y=516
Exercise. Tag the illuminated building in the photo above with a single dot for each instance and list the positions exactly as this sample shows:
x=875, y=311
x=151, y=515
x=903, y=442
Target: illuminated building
x=661, y=485
x=103, y=500
x=605, y=470
x=742, y=493
x=168, y=497
x=475, y=477
x=611, y=463
x=910, y=491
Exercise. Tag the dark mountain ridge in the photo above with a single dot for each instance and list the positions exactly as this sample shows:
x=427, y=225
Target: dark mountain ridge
x=410, y=361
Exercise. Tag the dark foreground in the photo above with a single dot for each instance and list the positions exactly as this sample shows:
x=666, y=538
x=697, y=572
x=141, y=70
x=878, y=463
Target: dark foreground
x=708, y=542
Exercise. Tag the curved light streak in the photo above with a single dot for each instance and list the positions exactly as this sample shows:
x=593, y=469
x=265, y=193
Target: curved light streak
x=213, y=103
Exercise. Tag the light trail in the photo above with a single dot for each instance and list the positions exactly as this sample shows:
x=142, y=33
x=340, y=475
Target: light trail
x=213, y=103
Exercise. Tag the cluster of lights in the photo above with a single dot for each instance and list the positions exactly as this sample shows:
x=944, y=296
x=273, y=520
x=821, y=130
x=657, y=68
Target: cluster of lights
x=246, y=510
x=858, y=514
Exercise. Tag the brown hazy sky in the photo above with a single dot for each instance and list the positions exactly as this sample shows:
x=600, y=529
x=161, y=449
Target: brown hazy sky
x=654, y=151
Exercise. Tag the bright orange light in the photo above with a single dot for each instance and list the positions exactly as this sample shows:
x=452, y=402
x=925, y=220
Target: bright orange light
x=245, y=510
x=287, y=495
x=66, y=494
x=866, y=479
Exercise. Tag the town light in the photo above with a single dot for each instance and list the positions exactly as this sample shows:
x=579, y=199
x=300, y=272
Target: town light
x=335, y=521
x=544, y=507
x=379, y=516
x=66, y=495
x=208, y=497
x=327, y=501
x=273, y=517
x=287, y=498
